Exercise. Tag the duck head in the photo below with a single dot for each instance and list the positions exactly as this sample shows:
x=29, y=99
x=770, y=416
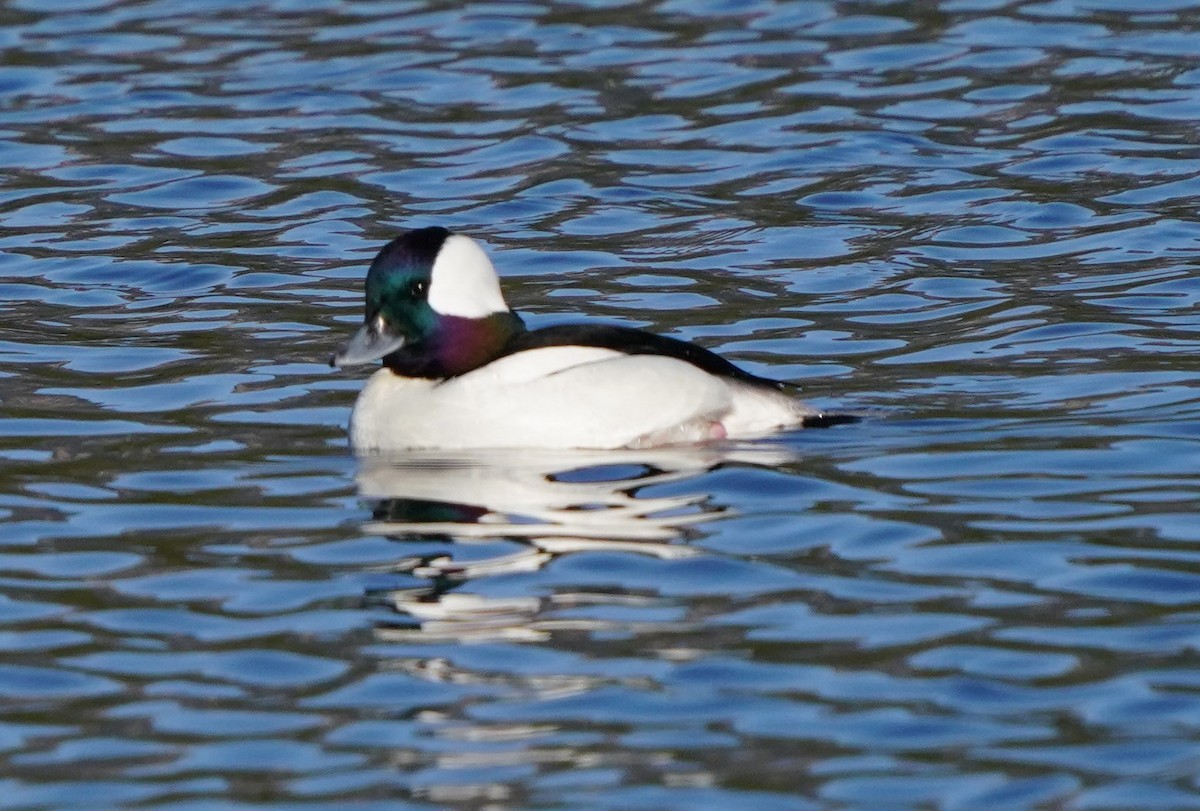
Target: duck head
x=434, y=307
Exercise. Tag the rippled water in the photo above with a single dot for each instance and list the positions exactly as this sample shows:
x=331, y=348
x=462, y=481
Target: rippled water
x=973, y=221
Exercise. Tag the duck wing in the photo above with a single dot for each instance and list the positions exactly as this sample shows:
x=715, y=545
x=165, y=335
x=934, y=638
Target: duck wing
x=629, y=341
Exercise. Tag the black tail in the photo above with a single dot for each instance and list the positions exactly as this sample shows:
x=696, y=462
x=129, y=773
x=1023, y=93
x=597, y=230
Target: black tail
x=828, y=420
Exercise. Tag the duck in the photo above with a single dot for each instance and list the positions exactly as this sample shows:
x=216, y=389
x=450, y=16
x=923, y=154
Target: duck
x=460, y=370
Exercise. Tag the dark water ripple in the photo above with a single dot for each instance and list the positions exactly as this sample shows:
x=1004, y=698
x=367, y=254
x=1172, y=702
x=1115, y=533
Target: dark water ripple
x=972, y=221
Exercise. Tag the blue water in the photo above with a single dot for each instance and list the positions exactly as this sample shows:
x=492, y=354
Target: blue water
x=973, y=222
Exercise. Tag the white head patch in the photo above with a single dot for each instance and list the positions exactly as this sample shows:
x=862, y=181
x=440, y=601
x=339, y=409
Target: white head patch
x=463, y=281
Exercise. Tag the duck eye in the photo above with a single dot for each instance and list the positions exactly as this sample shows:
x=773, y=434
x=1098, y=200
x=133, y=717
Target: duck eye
x=417, y=288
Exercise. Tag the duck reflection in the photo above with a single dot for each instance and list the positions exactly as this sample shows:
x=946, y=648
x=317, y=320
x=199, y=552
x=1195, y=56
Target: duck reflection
x=550, y=503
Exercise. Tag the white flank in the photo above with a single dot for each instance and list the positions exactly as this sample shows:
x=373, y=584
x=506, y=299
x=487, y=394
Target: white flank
x=532, y=364
x=463, y=282
x=564, y=397
x=758, y=411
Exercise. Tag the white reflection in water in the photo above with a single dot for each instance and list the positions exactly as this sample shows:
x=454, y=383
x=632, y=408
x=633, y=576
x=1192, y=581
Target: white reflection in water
x=553, y=503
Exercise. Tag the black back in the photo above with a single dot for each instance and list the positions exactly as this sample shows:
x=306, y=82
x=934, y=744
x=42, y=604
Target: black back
x=634, y=342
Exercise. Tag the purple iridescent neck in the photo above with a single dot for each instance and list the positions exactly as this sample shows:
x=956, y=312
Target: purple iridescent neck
x=456, y=346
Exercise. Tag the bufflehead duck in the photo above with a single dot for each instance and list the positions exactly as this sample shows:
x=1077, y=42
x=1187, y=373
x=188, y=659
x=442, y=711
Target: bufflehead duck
x=460, y=370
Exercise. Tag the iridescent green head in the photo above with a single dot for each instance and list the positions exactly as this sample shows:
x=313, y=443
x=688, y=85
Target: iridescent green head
x=434, y=307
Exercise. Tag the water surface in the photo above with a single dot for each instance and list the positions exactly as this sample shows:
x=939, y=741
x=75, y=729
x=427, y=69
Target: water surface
x=972, y=221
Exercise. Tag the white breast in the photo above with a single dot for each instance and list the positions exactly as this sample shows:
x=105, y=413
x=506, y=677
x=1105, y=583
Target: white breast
x=565, y=397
